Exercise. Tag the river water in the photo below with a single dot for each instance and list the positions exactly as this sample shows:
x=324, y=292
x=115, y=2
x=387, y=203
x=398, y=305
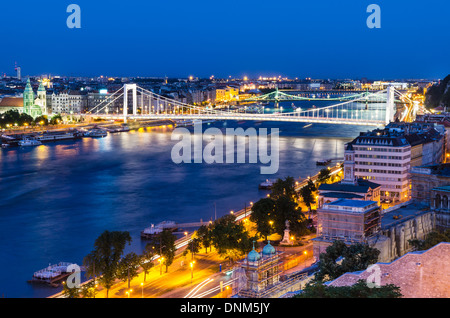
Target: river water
x=56, y=199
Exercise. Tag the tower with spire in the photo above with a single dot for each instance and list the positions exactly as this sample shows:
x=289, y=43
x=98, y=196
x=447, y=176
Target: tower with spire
x=31, y=106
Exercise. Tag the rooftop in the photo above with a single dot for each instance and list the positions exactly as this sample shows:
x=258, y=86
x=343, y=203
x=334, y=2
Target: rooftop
x=442, y=169
x=362, y=186
x=351, y=203
x=403, y=213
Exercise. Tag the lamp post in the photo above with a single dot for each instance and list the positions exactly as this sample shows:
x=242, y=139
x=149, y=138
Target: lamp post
x=192, y=270
x=142, y=288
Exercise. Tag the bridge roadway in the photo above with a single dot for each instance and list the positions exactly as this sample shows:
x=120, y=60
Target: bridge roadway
x=251, y=117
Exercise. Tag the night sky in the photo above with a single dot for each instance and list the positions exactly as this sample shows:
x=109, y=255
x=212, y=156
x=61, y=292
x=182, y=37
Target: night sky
x=294, y=38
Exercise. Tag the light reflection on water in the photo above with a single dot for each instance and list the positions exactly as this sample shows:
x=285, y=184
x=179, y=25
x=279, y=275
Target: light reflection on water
x=56, y=199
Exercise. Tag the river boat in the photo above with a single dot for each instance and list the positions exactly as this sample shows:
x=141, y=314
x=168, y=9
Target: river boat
x=96, y=132
x=58, y=135
x=266, y=185
x=29, y=142
x=150, y=232
x=323, y=162
x=52, y=274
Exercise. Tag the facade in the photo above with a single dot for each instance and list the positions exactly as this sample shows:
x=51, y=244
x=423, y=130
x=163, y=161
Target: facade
x=227, y=94
x=11, y=103
x=382, y=157
x=262, y=271
x=71, y=102
x=31, y=106
x=389, y=233
x=348, y=220
x=431, y=185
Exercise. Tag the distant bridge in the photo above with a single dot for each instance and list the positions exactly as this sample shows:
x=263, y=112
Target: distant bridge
x=352, y=110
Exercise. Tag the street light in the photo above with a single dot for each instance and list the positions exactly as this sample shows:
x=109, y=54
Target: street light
x=192, y=270
x=142, y=287
x=128, y=292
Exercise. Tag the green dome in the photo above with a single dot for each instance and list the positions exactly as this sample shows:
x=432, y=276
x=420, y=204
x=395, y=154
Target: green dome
x=253, y=256
x=268, y=250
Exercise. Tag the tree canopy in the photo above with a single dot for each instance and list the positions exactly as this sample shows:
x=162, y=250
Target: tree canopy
x=358, y=290
x=340, y=259
x=105, y=258
x=230, y=239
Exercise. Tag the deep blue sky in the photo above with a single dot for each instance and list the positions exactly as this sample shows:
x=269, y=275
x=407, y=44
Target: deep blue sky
x=295, y=38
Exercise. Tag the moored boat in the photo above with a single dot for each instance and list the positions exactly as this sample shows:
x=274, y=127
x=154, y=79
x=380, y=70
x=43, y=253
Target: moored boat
x=53, y=274
x=29, y=142
x=150, y=232
x=323, y=162
x=58, y=135
x=266, y=185
x=96, y=132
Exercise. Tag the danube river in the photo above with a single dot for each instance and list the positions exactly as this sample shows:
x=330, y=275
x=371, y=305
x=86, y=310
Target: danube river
x=56, y=199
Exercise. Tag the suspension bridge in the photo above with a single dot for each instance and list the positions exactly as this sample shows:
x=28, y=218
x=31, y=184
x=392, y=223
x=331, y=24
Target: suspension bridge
x=132, y=102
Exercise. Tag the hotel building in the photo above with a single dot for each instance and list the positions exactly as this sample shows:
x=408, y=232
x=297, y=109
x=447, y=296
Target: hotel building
x=383, y=157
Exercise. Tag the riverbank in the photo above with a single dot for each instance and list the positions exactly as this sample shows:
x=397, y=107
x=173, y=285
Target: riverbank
x=67, y=193
x=209, y=266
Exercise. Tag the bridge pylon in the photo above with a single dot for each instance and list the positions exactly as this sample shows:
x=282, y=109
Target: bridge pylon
x=390, y=103
x=126, y=88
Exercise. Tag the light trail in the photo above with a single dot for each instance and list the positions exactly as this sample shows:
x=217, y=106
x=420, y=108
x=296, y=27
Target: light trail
x=197, y=288
x=214, y=289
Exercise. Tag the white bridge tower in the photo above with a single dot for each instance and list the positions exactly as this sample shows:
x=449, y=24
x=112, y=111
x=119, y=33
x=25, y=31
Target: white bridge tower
x=126, y=88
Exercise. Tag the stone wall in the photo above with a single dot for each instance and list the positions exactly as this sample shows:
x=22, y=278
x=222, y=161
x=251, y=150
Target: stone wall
x=393, y=242
x=418, y=274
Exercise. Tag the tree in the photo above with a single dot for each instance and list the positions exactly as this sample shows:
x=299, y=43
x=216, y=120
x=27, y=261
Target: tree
x=104, y=259
x=358, y=290
x=89, y=290
x=13, y=117
x=41, y=120
x=146, y=259
x=230, y=239
x=353, y=258
x=204, y=234
x=70, y=292
x=164, y=242
x=284, y=188
x=262, y=212
x=128, y=267
x=193, y=246
x=287, y=210
x=324, y=175
x=56, y=119
x=307, y=195
x=438, y=94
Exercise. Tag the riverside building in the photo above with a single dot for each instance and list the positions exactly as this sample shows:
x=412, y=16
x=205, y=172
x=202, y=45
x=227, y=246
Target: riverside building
x=382, y=157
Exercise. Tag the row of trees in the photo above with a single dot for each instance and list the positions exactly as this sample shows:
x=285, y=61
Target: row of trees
x=107, y=263
x=230, y=239
x=438, y=94
x=12, y=118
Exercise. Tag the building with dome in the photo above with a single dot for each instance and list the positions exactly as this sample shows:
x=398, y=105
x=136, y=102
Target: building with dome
x=32, y=106
x=262, y=271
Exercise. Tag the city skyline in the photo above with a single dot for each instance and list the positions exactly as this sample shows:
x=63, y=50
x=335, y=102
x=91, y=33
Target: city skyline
x=146, y=39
